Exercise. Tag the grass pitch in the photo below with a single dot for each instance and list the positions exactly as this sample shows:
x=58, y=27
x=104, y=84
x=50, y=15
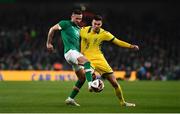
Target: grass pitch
x=48, y=97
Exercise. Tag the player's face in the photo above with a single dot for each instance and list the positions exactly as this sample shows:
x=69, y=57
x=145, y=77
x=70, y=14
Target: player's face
x=96, y=25
x=76, y=18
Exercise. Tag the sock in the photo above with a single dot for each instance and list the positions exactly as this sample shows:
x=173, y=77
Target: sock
x=87, y=68
x=74, y=92
x=119, y=94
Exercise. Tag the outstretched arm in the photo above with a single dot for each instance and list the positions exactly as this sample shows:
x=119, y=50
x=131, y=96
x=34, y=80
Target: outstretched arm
x=124, y=44
x=50, y=36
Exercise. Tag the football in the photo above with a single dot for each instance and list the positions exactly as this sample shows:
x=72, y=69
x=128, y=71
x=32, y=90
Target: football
x=97, y=85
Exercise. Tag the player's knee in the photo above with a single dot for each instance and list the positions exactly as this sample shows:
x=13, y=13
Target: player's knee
x=86, y=61
x=82, y=60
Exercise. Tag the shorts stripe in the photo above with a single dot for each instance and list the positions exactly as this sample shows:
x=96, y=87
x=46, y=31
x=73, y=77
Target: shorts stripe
x=88, y=70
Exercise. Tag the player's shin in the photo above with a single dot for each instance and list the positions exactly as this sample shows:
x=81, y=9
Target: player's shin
x=76, y=89
x=119, y=94
x=87, y=68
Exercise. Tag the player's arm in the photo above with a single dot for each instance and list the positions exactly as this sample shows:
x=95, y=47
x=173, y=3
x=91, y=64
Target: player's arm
x=109, y=37
x=50, y=36
x=124, y=44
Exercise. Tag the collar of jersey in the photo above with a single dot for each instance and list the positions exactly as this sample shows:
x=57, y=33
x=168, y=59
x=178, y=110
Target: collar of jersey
x=90, y=28
x=73, y=24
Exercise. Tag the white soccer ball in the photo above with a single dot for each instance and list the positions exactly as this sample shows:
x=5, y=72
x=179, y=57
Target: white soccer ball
x=97, y=85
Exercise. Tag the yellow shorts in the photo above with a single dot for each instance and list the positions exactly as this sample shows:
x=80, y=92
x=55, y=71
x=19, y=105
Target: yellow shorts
x=100, y=65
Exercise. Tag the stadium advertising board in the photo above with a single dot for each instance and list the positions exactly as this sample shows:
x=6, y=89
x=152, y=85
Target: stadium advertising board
x=49, y=75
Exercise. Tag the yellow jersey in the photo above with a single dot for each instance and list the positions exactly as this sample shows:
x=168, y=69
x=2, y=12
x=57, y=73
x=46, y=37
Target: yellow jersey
x=91, y=47
x=91, y=41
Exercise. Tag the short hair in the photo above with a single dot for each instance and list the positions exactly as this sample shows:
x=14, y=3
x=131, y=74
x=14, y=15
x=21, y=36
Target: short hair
x=77, y=11
x=97, y=18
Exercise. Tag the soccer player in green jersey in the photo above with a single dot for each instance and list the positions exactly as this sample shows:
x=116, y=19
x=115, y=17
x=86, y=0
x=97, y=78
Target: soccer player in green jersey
x=71, y=40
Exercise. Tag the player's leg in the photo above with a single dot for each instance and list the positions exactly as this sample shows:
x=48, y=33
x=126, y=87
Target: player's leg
x=71, y=57
x=118, y=90
x=75, y=57
x=111, y=78
x=87, y=67
x=88, y=71
x=105, y=70
x=81, y=79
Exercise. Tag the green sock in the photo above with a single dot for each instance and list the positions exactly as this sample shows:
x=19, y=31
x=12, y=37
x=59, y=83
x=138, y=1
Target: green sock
x=75, y=91
x=87, y=68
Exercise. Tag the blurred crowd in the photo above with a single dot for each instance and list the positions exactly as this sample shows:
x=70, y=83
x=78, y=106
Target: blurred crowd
x=159, y=54
x=23, y=44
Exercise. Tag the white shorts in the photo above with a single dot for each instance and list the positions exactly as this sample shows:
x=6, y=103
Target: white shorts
x=71, y=57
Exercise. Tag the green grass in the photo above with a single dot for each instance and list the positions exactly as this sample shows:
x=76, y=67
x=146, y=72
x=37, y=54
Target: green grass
x=45, y=96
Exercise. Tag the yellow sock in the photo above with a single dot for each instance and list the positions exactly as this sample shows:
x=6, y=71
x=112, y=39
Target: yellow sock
x=119, y=94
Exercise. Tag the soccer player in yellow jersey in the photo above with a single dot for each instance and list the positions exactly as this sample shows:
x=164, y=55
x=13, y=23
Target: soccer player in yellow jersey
x=91, y=40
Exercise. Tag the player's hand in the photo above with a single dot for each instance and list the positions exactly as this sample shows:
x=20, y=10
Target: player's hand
x=50, y=47
x=135, y=47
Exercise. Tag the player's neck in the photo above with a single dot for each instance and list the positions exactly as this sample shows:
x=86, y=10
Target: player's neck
x=75, y=23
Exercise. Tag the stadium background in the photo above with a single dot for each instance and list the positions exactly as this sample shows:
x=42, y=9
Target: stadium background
x=153, y=25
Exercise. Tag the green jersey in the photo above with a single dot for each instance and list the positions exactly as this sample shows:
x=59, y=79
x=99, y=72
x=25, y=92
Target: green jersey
x=70, y=35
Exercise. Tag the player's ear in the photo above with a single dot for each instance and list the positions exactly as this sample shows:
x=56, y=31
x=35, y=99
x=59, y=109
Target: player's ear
x=71, y=16
x=92, y=22
x=101, y=23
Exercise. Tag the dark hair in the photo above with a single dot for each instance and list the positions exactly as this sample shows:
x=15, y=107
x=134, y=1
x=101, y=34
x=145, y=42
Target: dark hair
x=77, y=11
x=97, y=18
